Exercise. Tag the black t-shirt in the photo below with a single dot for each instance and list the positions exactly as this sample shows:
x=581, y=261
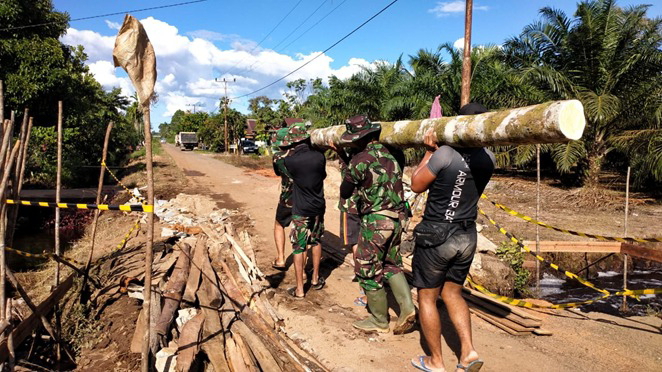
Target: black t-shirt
x=307, y=167
x=462, y=175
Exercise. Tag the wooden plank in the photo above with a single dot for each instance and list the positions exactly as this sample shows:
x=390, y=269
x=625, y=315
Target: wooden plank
x=194, y=275
x=189, y=342
x=578, y=247
x=506, y=322
x=25, y=328
x=501, y=312
x=513, y=309
x=640, y=251
x=174, y=290
x=497, y=324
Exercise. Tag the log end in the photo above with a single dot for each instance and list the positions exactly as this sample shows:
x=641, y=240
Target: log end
x=571, y=119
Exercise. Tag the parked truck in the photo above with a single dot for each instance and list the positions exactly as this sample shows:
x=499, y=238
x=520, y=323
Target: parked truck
x=186, y=140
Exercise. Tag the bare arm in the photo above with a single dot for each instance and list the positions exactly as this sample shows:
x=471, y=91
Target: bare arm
x=422, y=177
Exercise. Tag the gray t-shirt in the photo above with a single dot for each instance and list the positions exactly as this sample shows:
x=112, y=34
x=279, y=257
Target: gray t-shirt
x=462, y=175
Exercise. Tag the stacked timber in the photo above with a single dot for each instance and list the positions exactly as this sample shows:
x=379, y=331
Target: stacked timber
x=209, y=306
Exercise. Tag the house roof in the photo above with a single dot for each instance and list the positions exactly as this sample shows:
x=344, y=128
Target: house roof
x=250, y=125
x=290, y=121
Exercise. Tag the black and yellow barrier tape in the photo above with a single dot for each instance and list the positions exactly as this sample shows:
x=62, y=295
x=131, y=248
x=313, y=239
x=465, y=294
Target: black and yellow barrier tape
x=104, y=207
x=44, y=255
x=530, y=305
x=542, y=259
x=140, y=198
x=571, y=232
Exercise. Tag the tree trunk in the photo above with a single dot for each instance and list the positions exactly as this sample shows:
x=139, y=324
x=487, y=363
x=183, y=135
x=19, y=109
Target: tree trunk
x=551, y=122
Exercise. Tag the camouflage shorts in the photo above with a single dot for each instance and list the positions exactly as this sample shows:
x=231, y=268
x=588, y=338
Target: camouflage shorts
x=306, y=231
x=378, y=254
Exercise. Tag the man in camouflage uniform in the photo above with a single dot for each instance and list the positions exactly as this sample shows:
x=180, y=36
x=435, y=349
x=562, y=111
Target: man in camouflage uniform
x=377, y=177
x=284, y=209
x=307, y=168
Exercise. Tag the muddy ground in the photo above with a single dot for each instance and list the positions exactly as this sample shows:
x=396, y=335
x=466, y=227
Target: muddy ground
x=322, y=322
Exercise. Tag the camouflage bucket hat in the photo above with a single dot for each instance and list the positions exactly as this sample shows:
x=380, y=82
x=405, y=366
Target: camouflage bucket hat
x=296, y=133
x=279, y=137
x=358, y=127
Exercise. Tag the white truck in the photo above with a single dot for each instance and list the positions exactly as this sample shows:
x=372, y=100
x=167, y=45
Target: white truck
x=186, y=140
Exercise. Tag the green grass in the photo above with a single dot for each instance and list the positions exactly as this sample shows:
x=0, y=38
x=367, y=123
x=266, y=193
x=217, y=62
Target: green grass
x=156, y=150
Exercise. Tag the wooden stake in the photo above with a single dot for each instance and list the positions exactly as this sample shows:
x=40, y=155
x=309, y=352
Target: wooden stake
x=98, y=201
x=625, y=233
x=10, y=339
x=466, y=60
x=3, y=214
x=538, y=219
x=18, y=179
x=150, y=236
x=58, y=186
x=2, y=102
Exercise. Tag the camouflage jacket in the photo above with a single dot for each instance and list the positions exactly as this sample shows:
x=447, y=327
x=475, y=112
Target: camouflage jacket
x=285, y=178
x=378, y=178
x=349, y=205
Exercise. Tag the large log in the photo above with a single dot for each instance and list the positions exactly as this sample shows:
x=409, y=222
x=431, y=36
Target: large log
x=550, y=122
x=174, y=290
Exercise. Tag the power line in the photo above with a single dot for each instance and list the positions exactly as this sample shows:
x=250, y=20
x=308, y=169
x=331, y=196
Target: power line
x=265, y=38
x=321, y=53
x=103, y=15
x=250, y=68
x=301, y=24
x=313, y=26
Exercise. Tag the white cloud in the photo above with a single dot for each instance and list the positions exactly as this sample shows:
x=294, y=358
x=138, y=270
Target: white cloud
x=459, y=43
x=187, y=66
x=443, y=9
x=113, y=25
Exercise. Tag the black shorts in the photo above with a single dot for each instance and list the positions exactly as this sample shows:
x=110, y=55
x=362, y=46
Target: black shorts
x=350, y=228
x=284, y=215
x=449, y=261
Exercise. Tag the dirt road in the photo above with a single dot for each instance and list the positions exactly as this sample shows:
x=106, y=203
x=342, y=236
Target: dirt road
x=322, y=322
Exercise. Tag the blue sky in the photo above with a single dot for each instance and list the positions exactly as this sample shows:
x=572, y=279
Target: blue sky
x=196, y=43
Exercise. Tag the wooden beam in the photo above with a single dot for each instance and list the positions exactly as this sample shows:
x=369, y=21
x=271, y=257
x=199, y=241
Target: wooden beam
x=25, y=328
x=640, y=251
x=577, y=247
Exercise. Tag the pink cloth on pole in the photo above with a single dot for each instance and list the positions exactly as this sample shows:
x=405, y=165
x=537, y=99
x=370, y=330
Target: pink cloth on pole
x=435, y=111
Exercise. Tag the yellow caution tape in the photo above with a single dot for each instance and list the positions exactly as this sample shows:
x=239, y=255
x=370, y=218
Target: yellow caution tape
x=571, y=232
x=542, y=259
x=104, y=207
x=140, y=198
x=530, y=305
x=44, y=255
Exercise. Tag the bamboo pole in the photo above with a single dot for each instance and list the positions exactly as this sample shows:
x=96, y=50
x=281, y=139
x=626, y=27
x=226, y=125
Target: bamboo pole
x=2, y=102
x=550, y=122
x=147, y=293
x=10, y=339
x=538, y=219
x=625, y=233
x=58, y=186
x=98, y=201
x=466, y=58
x=3, y=187
x=17, y=182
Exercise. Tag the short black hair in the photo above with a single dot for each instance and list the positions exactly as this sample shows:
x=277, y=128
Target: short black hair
x=473, y=108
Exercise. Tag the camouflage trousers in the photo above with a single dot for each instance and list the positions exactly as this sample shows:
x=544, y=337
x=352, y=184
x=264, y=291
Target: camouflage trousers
x=306, y=231
x=378, y=252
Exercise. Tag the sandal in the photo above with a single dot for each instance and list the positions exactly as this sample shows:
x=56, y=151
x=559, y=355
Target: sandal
x=278, y=267
x=474, y=366
x=319, y=285
x=420, y=364
x=293, y=293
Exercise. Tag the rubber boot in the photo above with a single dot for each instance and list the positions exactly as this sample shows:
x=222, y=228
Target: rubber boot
x=402, y=294
x=378, y=305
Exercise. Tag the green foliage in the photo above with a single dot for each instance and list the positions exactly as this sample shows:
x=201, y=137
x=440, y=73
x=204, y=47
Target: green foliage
x=512, y=254
x=610, y=59
x=37, y=71
x=79, y=329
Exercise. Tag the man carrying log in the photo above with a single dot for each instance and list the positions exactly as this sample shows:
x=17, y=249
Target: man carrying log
x=446, y=240
x=284, y=209
x=377, y=176
x=307, y=167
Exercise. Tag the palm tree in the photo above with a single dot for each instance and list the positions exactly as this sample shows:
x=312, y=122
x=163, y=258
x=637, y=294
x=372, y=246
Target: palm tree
x=607, y=57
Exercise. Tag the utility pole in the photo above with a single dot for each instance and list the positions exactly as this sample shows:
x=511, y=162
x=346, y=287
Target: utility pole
x=466, y=60
x=200, y=104
x=225, y=109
